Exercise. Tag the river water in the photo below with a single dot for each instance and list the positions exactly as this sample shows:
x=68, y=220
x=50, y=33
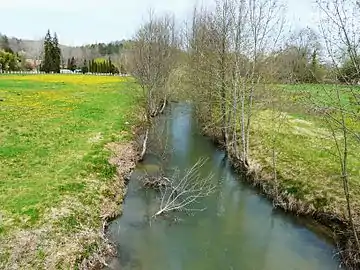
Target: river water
x=239, y=229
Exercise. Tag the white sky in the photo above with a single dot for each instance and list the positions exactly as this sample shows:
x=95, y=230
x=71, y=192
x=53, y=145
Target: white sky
x=79, y=22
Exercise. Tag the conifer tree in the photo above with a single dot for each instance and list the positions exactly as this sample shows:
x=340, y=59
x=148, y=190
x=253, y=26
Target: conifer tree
x=47, y=61
x=89, y=66
x=56, y=55
x=84, y=68
x=72, y=64
x=110, y=67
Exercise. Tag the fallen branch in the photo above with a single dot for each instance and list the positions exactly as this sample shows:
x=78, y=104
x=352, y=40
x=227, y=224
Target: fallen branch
x=163, y=106
x=144, y=145
x=182, y=192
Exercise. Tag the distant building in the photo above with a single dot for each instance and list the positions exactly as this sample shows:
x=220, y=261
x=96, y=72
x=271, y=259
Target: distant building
x=65, y=71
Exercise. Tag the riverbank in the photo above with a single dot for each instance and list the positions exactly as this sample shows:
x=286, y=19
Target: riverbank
x=338, y=228
x=58, y=188
x=306, y=167
x=235, y=219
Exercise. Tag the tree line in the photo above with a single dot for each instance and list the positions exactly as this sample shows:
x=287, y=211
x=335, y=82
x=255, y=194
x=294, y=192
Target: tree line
x=99, y=65
x=52, y=60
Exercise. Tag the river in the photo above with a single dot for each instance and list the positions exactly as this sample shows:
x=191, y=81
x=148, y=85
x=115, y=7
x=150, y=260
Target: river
x=239, y=229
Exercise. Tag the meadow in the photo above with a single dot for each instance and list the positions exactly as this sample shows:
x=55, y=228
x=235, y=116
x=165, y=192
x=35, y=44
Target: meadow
x=296, y=129
x=55, y=173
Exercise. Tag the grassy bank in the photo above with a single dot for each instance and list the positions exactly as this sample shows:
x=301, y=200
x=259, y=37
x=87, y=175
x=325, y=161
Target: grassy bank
x=308, y=166
x=56, y=183
x=295, y=130
x=290, y=123
x=307, y=163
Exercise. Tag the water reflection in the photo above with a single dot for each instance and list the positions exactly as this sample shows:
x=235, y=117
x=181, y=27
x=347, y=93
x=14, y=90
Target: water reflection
x=238, y=230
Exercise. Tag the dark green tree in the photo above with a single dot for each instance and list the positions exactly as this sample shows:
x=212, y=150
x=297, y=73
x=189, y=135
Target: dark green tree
x=94, y=66
x=71, y=63
x=56, y=55
x=89, y=66
x=102, y=67
x=47, y=63
x=52, y=54
x=85, y=68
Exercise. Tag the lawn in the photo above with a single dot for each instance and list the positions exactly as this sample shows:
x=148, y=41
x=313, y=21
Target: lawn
x=307, y=162
x=54, y=164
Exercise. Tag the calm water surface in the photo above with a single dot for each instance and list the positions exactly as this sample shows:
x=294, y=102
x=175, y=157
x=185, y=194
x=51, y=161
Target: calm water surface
x=238, y=230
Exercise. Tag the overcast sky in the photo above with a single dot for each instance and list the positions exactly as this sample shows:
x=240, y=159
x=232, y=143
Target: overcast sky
x=79, y=22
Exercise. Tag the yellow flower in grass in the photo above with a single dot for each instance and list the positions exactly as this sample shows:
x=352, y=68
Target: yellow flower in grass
x=68, y=78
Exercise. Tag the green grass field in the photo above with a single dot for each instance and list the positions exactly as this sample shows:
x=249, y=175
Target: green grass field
x=53, y=162
x=307, y=162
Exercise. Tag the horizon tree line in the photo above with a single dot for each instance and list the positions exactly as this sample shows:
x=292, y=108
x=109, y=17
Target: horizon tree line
x=94, y=66
x=52, y=60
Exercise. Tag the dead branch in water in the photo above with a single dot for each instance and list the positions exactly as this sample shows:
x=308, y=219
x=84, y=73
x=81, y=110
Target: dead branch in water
x=181, y=192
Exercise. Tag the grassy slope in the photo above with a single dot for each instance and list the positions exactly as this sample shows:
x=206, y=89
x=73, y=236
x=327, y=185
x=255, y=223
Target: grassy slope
x=307, y=164
x=53, y=130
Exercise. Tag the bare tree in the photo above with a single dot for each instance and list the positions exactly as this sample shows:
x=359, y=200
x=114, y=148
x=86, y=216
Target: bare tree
x=153, y=59
x=227, y=49
x=340, y=29
x=182, y=192
x=155, y=46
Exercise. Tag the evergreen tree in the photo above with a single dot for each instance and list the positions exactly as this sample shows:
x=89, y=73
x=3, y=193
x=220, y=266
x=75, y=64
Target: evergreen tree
x=56, y=55
x=109, y=68
x=47, y=61
x=85, y=68
x=103, y=67
x=72, y=63
x=92, y=66
x=52, y=54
